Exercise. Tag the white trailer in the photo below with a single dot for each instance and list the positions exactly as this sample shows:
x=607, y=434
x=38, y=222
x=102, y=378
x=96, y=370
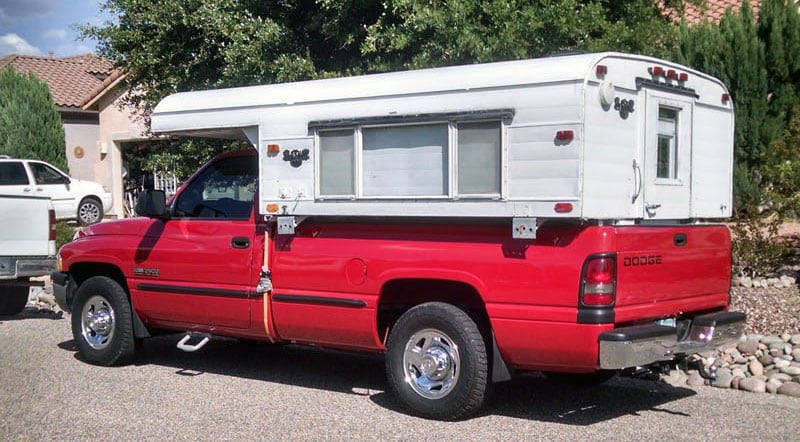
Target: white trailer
x=608, y=137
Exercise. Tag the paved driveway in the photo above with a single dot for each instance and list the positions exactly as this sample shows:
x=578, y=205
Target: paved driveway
x=237, y=391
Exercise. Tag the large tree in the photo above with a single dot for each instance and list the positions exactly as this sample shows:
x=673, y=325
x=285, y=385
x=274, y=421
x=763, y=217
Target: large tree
x=30, y=125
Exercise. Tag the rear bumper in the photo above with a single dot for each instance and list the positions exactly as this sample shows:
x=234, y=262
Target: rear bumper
x=647, y=344
x=21, y=267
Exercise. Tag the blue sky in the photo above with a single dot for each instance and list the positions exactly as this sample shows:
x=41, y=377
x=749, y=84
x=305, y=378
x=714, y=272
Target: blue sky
x=38, y=27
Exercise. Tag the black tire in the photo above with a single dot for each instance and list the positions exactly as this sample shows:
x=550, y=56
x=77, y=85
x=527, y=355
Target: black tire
x=581, y=380
x=13, y=299
x=436, y=362
x=90, y=211
x=102, y=324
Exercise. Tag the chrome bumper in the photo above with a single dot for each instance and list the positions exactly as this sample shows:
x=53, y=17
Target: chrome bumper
x=647, y=344
x=22, y=267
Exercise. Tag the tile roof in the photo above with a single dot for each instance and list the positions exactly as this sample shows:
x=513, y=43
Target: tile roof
x=73, y=81
x=713, y=10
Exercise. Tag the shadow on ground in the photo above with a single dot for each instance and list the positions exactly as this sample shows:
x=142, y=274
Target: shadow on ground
x=528, y=396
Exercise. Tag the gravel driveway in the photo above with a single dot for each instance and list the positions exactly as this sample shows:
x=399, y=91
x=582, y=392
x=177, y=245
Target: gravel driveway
x=237, y=391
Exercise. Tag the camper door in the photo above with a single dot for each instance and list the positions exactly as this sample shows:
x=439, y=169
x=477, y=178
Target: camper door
x=666, y=169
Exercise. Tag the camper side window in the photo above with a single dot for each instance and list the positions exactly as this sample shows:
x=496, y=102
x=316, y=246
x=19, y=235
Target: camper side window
x=667, y=154
x=337, y=160
x=405, y=160
x=422, y=160
x=479, y=158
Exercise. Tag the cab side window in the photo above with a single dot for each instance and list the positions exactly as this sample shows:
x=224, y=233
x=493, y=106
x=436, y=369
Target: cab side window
x=44, y=174
x=13, y=174
x=225, y=189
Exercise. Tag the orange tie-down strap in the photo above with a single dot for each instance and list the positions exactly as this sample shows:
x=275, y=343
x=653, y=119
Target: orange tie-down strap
x=267, y=315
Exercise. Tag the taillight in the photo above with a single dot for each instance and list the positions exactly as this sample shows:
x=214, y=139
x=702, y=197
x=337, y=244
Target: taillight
x=599, y=281
x=52, y=225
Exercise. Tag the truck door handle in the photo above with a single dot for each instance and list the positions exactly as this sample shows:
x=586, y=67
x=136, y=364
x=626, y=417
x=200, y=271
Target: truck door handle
x=240, y=242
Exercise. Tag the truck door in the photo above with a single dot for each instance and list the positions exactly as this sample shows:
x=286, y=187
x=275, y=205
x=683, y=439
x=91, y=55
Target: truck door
x=666, y=170
x=197, y=267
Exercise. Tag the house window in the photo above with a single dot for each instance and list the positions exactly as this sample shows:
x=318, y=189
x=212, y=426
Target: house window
x=667, y=153
x=411, y=159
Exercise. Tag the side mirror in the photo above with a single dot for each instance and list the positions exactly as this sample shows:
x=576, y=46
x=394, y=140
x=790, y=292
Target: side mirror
x=152, y=203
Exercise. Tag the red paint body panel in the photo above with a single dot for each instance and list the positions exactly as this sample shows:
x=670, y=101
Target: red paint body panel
x=330, y=278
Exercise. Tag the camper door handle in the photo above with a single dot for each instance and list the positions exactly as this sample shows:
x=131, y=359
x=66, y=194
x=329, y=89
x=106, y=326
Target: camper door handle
x=637, y=181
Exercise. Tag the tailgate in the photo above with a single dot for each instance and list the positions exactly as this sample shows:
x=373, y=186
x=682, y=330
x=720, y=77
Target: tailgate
x=26, y=226
x=668, y=270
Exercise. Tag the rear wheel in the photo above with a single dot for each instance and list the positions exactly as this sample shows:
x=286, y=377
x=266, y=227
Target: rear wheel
x=90, y=211
x=436, y=362
x=102, y=324
x=13, y=299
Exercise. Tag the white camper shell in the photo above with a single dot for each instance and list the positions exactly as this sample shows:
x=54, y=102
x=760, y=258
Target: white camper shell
x=610, y=137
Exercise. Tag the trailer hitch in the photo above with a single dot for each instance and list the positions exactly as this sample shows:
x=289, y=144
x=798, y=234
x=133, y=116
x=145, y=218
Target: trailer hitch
x=185, y=346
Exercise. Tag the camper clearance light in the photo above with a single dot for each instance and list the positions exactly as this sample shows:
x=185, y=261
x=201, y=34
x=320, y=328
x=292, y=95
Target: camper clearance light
x=683, y=76
x=563, y=207
x=726, y=98
x=565, y=135
x=656, y=71
x=273, y=148
x=601, y=70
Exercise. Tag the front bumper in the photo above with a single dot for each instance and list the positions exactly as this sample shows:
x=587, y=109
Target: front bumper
x=643, y=345
x=62, y=290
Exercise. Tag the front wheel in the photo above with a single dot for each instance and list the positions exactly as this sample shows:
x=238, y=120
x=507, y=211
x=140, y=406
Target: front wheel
x=90, y=211
x=13, y=299
x=102, y=324
x=436, y=362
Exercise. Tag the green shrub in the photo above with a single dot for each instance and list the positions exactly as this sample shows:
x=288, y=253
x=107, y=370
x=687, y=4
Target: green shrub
x=757, y=248
x=64, y=233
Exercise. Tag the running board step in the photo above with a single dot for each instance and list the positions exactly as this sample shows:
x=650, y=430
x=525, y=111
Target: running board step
x=183, y=343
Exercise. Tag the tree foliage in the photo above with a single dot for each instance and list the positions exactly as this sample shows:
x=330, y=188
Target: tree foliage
x=182, y=45
x=30, y=125
x=424, y=33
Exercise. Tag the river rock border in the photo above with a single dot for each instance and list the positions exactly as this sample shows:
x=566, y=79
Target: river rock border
x=781, y=282
x=757, y=363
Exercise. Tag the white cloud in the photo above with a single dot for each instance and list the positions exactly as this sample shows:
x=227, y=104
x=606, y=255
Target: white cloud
x=55, y=34
x=14, y=44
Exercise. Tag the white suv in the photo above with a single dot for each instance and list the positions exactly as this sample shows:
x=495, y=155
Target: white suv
x=85, y=201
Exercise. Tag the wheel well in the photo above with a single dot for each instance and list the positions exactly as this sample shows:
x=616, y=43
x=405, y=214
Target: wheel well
x=82, y=271
x=91, y=197
x=399, y=296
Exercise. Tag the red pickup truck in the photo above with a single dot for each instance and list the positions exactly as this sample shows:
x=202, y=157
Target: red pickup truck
x=455, y=304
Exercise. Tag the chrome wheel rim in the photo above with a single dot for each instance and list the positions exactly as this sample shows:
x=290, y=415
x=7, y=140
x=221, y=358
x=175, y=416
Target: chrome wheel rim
x=97, y=322
x=431, y=363
x=89, y=213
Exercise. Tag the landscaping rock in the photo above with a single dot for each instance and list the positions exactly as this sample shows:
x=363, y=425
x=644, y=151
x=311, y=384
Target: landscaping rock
x=748, y=346
x=753, y=385
x=756, y=369
x=790, y=389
